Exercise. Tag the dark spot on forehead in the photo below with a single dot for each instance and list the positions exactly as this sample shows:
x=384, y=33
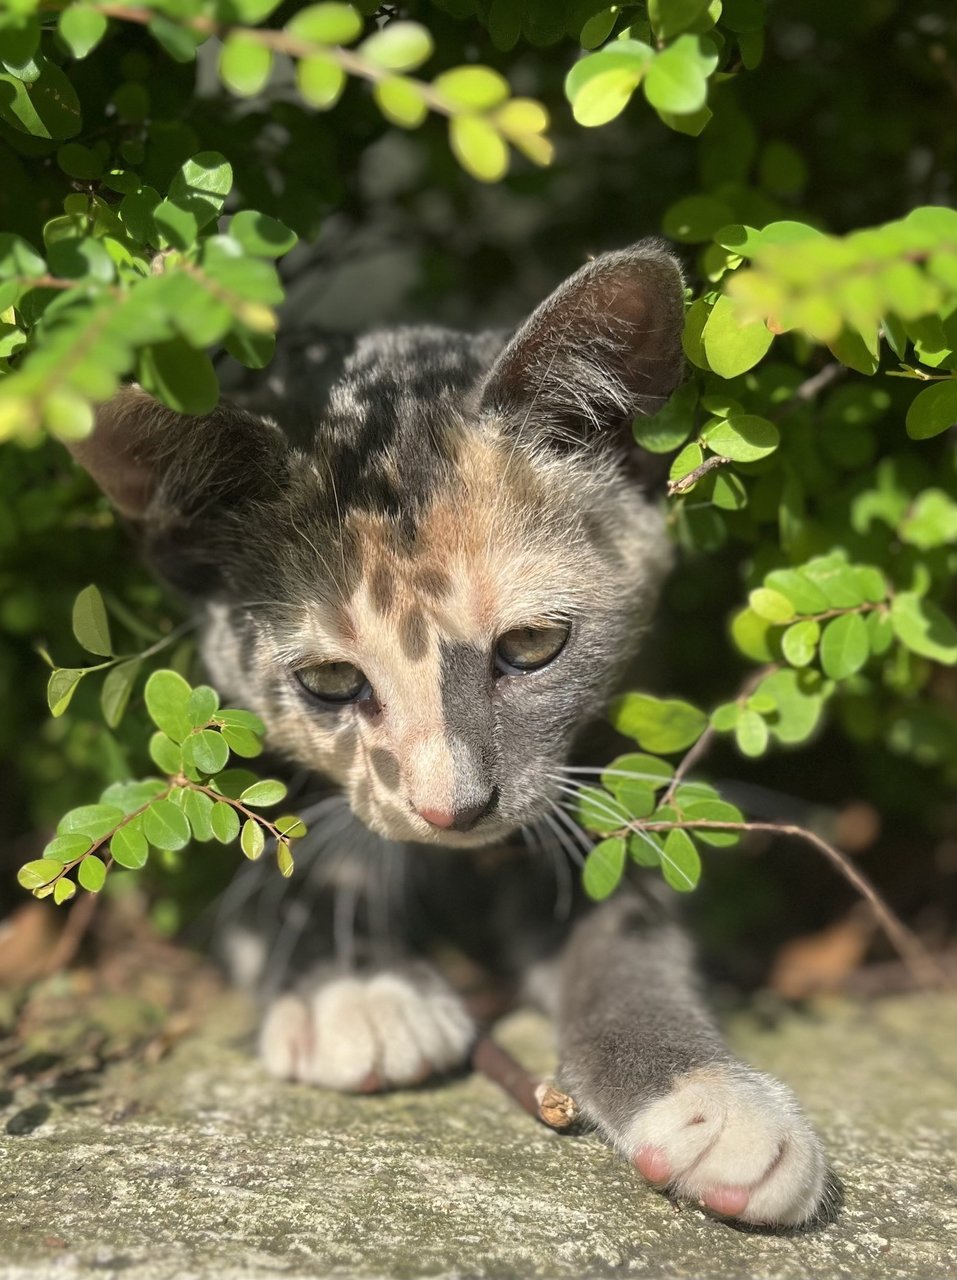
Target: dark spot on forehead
x=433, y=582
x=385, y=767
x=381, y=588
x=414, y=636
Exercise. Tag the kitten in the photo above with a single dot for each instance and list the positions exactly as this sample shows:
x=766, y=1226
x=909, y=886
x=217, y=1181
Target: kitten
x=426, y=587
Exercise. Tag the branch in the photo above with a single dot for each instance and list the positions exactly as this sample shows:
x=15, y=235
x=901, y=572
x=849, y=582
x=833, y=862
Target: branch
x=537, y=1097
x=686, y=482
x=912, y=951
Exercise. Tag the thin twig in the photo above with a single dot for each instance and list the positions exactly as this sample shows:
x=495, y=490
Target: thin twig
x=910, y=948
x=538, y=1097
x=686, y=482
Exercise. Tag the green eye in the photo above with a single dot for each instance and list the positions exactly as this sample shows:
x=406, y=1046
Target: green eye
x=336, y=682
x=528, y=648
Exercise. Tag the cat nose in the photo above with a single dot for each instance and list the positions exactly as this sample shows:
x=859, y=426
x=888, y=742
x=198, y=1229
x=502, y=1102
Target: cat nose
x=463, y=818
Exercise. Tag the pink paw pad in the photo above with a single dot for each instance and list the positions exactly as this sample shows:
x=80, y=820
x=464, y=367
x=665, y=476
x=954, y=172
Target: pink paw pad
x=729, y=1201
x=652, y=1164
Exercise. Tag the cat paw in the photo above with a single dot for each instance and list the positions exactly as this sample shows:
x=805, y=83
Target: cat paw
x=736, y=1142
x=367, y=1034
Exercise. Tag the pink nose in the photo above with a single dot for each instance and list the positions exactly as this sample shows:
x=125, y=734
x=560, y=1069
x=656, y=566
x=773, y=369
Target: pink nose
x=437, y=818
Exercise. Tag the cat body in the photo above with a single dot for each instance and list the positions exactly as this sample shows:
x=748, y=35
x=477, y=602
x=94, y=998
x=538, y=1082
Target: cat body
x=426, y=586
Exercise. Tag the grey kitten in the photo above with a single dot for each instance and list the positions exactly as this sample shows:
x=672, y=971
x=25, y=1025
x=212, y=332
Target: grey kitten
x=426, y=586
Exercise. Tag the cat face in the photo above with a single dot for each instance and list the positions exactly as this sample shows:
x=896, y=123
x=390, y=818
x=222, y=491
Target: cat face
x=425, y=600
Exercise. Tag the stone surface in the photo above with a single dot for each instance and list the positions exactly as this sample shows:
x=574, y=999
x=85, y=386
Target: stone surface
x=198, y=1166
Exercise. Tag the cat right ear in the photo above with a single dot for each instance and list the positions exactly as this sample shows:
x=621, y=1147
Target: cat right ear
x=180, y=478
x=604, y=347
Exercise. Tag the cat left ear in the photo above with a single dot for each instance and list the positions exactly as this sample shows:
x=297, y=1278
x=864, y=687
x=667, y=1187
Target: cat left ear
x=604, y=347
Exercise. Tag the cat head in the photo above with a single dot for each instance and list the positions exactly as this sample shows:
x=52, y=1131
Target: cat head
x=430, y=595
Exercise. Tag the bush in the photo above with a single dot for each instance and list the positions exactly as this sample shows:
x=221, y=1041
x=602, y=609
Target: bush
x=173, y=186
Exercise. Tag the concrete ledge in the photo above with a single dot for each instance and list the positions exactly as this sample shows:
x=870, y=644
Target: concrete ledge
x=201, y=1167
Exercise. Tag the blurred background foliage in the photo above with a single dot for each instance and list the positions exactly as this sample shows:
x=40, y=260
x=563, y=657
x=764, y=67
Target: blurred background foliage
x=838, y=116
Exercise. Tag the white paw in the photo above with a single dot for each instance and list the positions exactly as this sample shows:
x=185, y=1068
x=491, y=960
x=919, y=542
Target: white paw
x=737, y=1142
x=366, y=1034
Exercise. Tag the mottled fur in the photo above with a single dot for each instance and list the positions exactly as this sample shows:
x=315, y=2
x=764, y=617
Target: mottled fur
x=444, y=490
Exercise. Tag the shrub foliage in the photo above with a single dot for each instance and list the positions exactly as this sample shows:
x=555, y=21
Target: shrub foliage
x=165, y=160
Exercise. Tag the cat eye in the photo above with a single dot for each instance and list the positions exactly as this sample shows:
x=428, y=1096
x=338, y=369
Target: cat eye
x=335, y=682
x=529, y=648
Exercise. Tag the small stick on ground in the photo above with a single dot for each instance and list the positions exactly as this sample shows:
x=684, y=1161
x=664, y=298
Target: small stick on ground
x=536, y=1096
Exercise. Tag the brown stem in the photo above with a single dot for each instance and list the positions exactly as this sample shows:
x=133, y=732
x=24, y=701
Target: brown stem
x=684, y=483
x=536, y=1096
x=910, y=948
x=700, y=748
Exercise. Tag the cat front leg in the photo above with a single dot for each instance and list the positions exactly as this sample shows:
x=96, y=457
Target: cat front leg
x=363, y=1034
x=644, y=1061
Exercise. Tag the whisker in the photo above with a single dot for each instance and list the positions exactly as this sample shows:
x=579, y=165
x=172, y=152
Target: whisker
x=577, y=832
x=563, y=839
x=536, y=843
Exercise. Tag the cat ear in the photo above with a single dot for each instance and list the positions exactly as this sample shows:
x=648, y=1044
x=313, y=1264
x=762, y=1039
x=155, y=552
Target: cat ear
x=604, y=347
x=182, y=479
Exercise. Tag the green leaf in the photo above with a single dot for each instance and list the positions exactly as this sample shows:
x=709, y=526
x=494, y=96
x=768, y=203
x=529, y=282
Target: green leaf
x=81, y=29
x=695, y=219
x=724, y=718
x=179, y=41
x=677, y=79
x=128, y=847
x=93, y=820
x=715, y=811
x=597, y=811
x=327, y=24
x=644, y=848
x=751, y=733
x=844, y=646
x=472, y=88
x=245, y=742
x=600, y=86
x=478, y=147
x=166, y=753
x=401, y=101
x=207, y=751
x=400, y=46
x=91, y=873
x=67, y=848
x=202, y=185
x=659, y=725
x=252, y=841
x=671, y=425
x=742, y=437
x=46, y=107
x=167, y=701
x=799, y=642
x=165, y=825
x=931, y=521
x=117, y=687
x=183, y=378
x=670, y=17
x=799, y=700
x=202, y=705
x=264, y=793
x=771, y=605
x=261, y=235
x=90, y=624
x=603, y=868
x=33, y=875
x=61, y=687
x=245, y=65
x=290, y=827
x=242, y=720
x=932, y=411
x=284, y=859
x=752, y=635
x=804, y=594
x=233, y=782
x=63, y=890
x=130, y=796
x=731, y=346
x=680, y=863
x=199, y=811
x=321, y=80
x=924, y=628
x=690, y=457
x=224, y=822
